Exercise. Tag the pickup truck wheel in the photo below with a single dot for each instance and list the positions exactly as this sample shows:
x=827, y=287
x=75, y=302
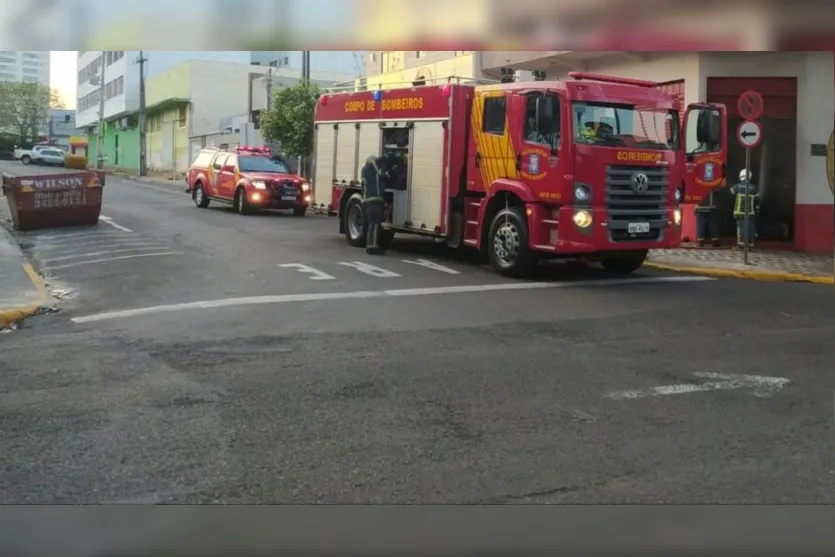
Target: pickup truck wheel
x=200, y=198
x=241, y=202
x=354, y=222
x=508, y=246
x=299, y=211
x=26, y=159
x=624, y=264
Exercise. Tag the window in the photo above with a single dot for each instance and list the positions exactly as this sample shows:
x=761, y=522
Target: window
x=32, y=63
x=30, y=71
x=494, y=115
x=203, y=159
x=232, y=160
x=30, y=79
x=262, y=164
x=156, y=123
x=109, y=57
x=550, y=135
x=182, y=116
x=120, y=85
x=31, y=55
x=624, y=125
x=67, y=118
x=217, y=164
x=108, y=91
x=373, y=56
x=420, y=53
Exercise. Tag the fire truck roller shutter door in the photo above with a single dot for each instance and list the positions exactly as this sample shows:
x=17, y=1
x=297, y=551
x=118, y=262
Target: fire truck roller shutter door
x=369, y=141
x=426, y=162
x=325, y=156
x=346, y=153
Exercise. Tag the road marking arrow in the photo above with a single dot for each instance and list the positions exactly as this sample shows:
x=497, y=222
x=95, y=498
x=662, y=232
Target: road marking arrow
x=760, y=386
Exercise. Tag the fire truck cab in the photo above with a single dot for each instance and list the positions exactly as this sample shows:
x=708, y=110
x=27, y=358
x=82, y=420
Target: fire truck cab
x=593, y=168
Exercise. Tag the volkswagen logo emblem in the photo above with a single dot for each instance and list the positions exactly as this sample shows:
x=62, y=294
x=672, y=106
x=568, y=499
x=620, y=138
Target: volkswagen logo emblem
x=640, y=182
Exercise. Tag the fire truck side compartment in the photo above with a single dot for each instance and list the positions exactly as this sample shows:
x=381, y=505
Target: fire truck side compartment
x=346, y=155
x=325, y=164
x=426, y=170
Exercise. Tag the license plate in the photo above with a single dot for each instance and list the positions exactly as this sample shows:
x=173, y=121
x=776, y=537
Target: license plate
x=288, y=197
x=638, y=227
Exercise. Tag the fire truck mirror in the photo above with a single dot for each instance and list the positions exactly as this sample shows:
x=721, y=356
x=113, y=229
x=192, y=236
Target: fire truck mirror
x=709, y=128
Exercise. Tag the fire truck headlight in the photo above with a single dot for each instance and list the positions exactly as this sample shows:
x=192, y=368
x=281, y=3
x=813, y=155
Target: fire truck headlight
x=678, y=195
x=677, y=217
x=582, y=193
x=259, y=185
x=582, y=218
x=305, y=187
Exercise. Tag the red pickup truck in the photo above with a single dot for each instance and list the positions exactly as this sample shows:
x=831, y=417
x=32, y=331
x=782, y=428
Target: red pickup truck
x=250, y=178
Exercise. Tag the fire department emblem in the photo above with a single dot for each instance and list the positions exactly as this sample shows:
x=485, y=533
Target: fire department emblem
x=708, y=172
x=640, y=182
x=533, y=164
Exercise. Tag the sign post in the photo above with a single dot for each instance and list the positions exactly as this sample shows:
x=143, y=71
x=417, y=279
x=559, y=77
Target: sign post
x=749, y=134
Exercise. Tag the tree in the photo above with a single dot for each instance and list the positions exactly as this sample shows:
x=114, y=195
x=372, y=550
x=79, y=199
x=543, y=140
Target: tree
x=289, y=121
x=24, y=107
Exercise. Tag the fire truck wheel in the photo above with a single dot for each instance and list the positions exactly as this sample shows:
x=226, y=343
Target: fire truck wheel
x=241, y=202
x=624, y=264
x=200, y=198
x=354, y=222
x=507, y=244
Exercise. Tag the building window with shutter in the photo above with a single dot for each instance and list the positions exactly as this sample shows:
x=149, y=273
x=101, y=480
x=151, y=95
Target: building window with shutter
x=182, y=116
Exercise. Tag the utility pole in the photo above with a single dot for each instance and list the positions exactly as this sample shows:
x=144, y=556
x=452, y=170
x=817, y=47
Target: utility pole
x=143, y=116
x=306, y=66
x=100, y=134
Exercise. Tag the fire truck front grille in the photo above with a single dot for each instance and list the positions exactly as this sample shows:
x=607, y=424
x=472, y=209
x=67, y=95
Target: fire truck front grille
x=634, y=203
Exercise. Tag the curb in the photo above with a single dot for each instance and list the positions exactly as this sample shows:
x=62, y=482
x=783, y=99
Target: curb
x=762, y=276
x=11, y=315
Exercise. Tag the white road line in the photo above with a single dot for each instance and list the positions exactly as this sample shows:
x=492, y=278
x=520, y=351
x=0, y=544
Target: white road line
x=760, y=385
x=180, y=193
x=97, y=253
x=130, y=242
x=315, y=274
x=431, y=265
x=328, y=296
x=79, y=236
x=369, y=269
x=108, y=220
x=109, y=259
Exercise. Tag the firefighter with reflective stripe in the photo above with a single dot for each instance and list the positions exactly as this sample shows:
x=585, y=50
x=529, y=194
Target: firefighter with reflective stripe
x=739, y=190
x=376, y=172
x=707, y=223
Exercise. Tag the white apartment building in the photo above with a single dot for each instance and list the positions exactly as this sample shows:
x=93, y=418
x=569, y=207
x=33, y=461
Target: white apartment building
x=121, y=73
x=24, y=65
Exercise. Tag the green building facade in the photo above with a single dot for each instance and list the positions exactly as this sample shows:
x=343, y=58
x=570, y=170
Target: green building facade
x=120, y=147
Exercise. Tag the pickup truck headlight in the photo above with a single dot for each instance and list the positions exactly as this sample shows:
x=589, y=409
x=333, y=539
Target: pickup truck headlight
x=259, y=184
x=305, y=187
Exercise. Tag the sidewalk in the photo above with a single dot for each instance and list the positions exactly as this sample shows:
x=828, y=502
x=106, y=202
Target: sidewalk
x=775, y=266
x=22, y=292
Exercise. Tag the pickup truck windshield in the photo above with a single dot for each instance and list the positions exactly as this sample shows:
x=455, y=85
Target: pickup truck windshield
x=261, y=164
x=623, y=125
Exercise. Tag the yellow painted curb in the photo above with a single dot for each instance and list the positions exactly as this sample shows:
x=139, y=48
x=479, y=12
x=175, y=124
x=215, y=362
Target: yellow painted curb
x=764, y=276
x=12, y=315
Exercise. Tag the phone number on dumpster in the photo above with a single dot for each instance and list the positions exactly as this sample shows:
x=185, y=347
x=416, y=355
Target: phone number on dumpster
x=59, y=199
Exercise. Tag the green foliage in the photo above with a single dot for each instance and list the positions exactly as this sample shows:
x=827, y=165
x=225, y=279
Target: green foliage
x=24, y=107
x=290, y=119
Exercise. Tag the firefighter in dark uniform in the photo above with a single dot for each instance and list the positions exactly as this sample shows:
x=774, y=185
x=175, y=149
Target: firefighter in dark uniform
x=376, y=174
x=707, y=223
x=739, y=190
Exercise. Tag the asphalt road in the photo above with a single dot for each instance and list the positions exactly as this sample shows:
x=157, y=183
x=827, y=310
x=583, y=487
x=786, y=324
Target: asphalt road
x=212, y=369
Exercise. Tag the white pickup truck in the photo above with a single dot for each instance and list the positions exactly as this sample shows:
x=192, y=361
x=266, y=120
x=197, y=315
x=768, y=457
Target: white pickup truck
x=27, y=155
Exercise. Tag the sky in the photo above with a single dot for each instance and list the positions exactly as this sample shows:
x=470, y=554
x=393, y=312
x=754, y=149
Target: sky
x=63, y=75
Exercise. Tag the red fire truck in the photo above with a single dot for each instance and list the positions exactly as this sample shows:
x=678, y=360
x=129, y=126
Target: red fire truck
x=594, y=167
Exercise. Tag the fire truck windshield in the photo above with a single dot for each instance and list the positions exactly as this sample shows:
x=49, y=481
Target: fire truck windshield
x=623, y=125
x=262, y=164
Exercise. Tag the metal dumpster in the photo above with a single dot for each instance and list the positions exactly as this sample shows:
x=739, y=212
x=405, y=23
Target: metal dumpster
x=61, y=198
